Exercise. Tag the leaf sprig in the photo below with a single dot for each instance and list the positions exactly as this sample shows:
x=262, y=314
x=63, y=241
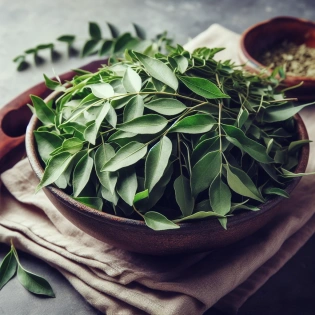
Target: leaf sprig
x=11, y=265
x=169, y=138
x=111, y=47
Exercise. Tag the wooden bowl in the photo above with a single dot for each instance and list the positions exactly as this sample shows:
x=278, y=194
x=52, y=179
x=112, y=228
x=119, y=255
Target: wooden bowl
x=134, y=235
x=265, y=35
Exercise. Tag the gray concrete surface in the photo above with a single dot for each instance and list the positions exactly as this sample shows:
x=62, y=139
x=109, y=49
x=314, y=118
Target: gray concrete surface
x=24, y=24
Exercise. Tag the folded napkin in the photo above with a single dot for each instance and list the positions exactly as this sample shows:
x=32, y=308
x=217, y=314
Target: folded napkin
x=122, y=283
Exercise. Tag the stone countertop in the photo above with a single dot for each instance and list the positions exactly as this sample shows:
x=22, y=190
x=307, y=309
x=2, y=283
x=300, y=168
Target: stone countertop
x=25, y=24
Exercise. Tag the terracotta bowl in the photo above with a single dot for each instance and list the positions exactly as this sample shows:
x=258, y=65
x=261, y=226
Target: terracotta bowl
x=265, y=35
x=133, y=235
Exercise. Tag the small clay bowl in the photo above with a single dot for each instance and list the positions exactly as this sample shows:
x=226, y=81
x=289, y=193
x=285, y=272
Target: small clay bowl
x=265, y=35
x=135, y=236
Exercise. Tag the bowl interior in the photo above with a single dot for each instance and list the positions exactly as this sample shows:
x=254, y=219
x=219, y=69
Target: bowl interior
x=267, y=34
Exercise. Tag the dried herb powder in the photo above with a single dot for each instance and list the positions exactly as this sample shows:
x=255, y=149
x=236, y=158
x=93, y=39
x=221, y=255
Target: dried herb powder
x=167, y=138
x=298, y=60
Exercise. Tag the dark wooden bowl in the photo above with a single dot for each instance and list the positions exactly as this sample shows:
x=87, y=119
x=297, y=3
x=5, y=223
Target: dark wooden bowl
x=133, y=235
x=266, y=34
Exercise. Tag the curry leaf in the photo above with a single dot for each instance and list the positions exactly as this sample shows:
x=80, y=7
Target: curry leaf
x=132, y=81
x=95, y=31
x=134, y=108
x=7, y=268
x=127, y=185
x=158, y=222
x=166, y=106
x=276, y=191
x=183, y=195
x=158, y=70
x=127, y=155
x=93, y=202
x=43, y=112
x=220, y=196
x=156, y=162
x=198, y=215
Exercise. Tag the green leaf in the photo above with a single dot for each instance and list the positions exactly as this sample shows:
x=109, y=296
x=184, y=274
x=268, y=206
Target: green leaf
x=121, y=135
x=55, y=167
x=282, y=112
x=111, y=117
x=156, y=162
x=90, y=47
x=158, y=70
x=94, y=30
x=69, y=39
x=242, y=117
x=198, y=123
x=276, y=191
x=106, y=48
x=140, y=32
x=127, y=155
x=140, y=196
x=113, y=30
x=203, y=87
x=220, y=196
x=53, y=85
x=108, y=179
x=243, y=206
x=91, y=131
x=134, y=108
x=237, y=137
x=242, y=184
x=34, y=283
x=204, y=172
x=132, y=81
x=81, y=174
x=102, y=90
x=47, y=142
x=183, y=195
x=122, y=43
x=146, y=124
x=198, y=215
x=223, y=222
x=182, y=63
x=93, y=202
x=127, y=185
x=72, y=145
x=166, y=106
x=120, y=102
x=158, y=222
x=204, y=147
x=109, y=196
x=43, y=112
x=7, y=268
x=296, y=145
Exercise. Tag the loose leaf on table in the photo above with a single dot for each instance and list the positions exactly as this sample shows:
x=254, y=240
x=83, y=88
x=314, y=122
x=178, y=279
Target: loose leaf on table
x=43, y=112
x=166, y=106
x=198, y=123
x=203, y=87
x=47, y=142
x=81, y=174
x=183, y=195
x=158, y=70
x=157, y=161
x=132, y=81
x=125, y=156
x=204, y=172
x=242, y=184
x=134, y=108
x=280, y=113
x=253, y=148
x=56, y=166
x=158, y=222
x=7, y=268
x=199, y=215
x=127, y=185
x=103, y=154
x=146, y=124
x=93, y=202
x=220, y=196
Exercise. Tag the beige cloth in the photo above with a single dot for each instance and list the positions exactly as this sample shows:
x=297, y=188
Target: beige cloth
x=122, y=283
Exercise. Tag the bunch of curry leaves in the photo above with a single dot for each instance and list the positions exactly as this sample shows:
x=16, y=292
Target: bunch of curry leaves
x=169, y=138
x=97, y=44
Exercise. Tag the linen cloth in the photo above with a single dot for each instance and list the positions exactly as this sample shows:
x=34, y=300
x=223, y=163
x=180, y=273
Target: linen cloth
x=122, y=283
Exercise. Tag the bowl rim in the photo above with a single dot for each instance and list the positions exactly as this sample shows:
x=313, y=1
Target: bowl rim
x=107, y=218
x=254, y=62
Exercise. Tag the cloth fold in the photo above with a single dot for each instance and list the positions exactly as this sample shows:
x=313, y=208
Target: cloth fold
x=122, y=283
